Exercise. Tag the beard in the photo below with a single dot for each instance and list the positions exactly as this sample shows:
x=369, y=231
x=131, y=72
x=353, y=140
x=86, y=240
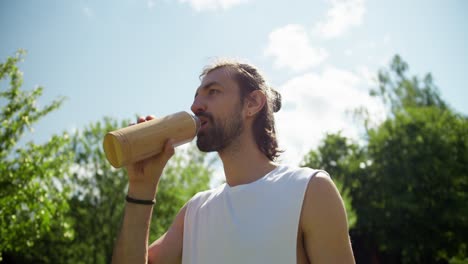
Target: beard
x=220, y=133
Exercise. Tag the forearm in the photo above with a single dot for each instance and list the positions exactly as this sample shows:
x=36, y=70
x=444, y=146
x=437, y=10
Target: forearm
x=132, y=243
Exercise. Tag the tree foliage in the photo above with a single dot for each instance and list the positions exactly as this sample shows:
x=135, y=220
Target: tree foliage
x=419, y=174
x=417, y=184
x=408, y=182
x=32, y=203
x=400, y=92
x=61, y=202
x=98, y=192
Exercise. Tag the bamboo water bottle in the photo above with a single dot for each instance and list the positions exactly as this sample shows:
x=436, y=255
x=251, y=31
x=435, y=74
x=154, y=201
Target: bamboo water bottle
x=134, y=143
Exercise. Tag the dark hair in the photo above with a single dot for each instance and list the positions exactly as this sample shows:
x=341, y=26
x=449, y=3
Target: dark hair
x=249, y=79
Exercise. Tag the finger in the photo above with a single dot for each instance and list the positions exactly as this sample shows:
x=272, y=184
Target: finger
x=141, y=119
x=150, y=117
x=169, y=148
x=160, y=160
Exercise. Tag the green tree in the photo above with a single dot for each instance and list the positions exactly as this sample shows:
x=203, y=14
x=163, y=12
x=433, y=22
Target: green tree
x=416, y=189
x=61, y=202
x=32, y=202
x=408, y=182
x=416, y=184
x=400, y=92
x=97, y=195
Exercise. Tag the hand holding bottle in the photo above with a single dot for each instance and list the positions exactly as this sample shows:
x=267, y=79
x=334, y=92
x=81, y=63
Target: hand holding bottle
x=143, y=175
x=145, y=148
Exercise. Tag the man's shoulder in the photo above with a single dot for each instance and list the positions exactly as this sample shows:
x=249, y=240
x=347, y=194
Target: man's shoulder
x=202, y=196
x=299, y=173
x=322, y=199
x=324, y=223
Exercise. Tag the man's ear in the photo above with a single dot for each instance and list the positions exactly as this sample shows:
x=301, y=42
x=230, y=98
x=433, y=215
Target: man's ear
x=255, y=102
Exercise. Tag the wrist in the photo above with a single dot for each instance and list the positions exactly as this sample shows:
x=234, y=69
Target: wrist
x=138, y=201
x=142, y=191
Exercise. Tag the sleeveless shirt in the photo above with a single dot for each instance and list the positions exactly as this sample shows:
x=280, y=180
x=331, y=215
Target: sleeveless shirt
x=252, y=223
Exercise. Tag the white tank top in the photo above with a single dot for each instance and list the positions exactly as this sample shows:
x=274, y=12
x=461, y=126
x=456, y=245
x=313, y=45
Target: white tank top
x=251, y=223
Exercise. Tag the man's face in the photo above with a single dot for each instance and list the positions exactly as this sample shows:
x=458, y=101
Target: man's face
x=217, y=103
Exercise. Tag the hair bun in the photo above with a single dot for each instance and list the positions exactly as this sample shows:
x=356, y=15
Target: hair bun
x=276, y=100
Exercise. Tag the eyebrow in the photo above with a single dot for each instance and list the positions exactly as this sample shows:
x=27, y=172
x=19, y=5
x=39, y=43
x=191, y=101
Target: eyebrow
x=206, y=86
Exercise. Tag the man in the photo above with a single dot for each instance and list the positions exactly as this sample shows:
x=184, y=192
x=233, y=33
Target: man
x=265, y=213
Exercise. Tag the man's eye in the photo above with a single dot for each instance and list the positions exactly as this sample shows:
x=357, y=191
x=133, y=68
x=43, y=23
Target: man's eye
x=213, y=91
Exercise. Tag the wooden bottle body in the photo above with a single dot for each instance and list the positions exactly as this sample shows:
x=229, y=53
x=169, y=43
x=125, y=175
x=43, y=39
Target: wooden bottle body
x=134, y=143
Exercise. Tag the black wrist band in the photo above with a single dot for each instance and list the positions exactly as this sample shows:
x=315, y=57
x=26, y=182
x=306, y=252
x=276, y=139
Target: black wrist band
x=137, y=201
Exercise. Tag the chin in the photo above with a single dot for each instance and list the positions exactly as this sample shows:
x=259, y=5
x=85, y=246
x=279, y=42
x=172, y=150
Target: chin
x=206, y=146
x=202, y=146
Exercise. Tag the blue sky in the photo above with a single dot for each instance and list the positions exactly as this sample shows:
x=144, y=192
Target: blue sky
x=121, y=58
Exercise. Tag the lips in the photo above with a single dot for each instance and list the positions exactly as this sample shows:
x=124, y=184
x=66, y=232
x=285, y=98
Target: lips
x=203, y=122
x=204, y=118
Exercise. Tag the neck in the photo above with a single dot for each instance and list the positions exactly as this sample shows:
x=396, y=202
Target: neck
x=243, y=162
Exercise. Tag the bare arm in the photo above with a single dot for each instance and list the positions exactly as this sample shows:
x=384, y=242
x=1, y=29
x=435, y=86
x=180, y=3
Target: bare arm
x=324, y=223
x=168, y=248
x=132, y=243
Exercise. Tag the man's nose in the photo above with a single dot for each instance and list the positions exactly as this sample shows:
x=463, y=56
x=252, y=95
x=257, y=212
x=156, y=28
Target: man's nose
x=198, y=106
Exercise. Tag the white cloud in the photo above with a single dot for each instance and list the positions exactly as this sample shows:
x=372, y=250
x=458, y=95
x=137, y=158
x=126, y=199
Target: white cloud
x=150, y=4
x=204, y=5
x=343, y=15
x=314, y=104
x=367, y=75
x=348, y=52
x=290, y=48
x=88, y=12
